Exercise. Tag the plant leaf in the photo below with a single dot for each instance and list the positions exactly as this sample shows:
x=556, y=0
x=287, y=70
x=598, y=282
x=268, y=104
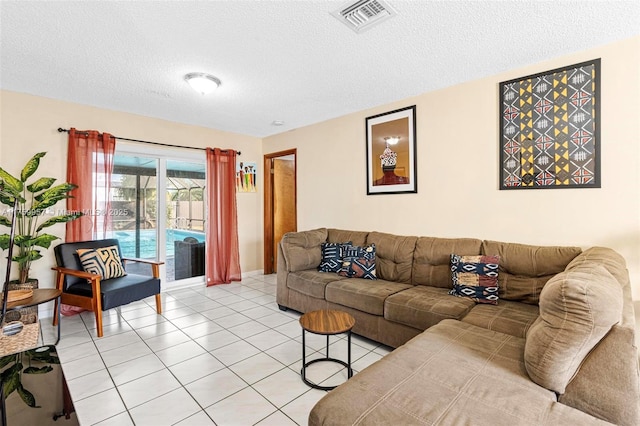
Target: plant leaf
x=5, y=221
x=41, y=184
x=59, y=219
x=11, y=184
x=6, y=360
x=23, y=241
x=11, y=380
x=31, y=166
x=27, y=256
x=4, y=241
x=36, y=370
x=61, y=191
x=27, y=397
x=44, y=240
x=4, y=199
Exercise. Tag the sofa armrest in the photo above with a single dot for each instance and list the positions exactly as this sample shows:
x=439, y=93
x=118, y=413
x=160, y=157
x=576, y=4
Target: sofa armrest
x=282, y=291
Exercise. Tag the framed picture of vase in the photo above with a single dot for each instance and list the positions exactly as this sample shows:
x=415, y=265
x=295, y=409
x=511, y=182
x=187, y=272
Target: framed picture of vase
x=246, y=173
x=391, y=152
x=550, y=129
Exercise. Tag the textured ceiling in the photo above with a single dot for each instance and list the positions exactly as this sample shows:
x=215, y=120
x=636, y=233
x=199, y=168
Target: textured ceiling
x=281, y=60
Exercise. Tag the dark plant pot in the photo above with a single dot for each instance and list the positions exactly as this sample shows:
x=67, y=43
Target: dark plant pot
x=26, y=315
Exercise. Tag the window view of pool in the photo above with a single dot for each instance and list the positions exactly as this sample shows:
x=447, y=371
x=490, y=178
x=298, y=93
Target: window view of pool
x=127, y=241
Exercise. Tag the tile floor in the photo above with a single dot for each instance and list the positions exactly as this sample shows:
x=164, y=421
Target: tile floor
x=222, y=355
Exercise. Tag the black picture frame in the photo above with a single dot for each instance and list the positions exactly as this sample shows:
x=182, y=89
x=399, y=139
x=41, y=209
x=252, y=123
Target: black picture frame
x=550, y=129
x=391, y=146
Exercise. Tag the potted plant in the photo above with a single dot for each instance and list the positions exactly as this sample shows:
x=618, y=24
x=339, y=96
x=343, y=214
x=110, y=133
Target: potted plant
x=34, y=207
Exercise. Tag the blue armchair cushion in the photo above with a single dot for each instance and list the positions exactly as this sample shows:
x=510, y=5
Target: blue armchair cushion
x=119, y=291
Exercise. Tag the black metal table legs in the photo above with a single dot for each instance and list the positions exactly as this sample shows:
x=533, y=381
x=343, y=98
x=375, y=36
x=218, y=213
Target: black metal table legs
x=305, y=364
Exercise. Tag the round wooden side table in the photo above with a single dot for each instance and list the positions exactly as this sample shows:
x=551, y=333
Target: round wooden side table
x=329, y=323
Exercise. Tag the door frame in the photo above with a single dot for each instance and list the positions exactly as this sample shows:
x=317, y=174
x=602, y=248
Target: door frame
x=269, y=255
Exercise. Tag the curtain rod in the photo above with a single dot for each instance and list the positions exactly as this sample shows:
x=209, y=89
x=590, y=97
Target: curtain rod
x=60, y=130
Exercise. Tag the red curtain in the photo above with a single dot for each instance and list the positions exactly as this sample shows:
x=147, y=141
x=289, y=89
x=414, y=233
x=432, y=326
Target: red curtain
x=223, y=258
x=89, y=165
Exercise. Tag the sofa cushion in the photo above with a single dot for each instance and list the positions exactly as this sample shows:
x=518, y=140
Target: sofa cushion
x=577, y=309
x=331, y=253
x=301, y=250
x=363, y=295
x=422, y=307
x=103, y=261
x=525, y=269
x=475, y=277
x=358, y=262
x=311, y=282
x=357, y=238
x=514, y=318
x=432, y=259
x=394, y=256
x=452, y=374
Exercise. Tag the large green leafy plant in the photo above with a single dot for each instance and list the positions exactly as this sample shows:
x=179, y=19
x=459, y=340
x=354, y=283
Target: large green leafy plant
x=35, y=201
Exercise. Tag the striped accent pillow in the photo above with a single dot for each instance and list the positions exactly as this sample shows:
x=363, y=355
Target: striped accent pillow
x=103, y=261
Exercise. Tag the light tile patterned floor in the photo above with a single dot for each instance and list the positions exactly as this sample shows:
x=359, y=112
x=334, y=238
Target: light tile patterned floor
x=223, y=355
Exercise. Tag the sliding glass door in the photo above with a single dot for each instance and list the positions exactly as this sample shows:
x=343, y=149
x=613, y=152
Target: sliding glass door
x=159, y=212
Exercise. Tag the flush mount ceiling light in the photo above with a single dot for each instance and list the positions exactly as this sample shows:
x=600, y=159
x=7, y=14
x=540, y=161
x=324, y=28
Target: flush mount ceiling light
x=201, y=82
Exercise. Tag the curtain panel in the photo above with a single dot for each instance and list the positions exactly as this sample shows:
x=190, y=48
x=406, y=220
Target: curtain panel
x=222, y=255
x=90, y=165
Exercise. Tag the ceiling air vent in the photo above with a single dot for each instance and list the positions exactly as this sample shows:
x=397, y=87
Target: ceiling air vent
x=364, y=14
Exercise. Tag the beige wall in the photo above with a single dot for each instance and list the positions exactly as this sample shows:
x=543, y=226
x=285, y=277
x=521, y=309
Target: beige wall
x=458, y=156
x=28, y=124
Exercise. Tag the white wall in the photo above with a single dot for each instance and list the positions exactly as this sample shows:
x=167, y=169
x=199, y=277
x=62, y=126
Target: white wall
x=458, y=166
x=28, y=124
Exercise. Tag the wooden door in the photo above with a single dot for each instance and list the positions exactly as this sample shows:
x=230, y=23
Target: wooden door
x=284, y=202
x=280, y=214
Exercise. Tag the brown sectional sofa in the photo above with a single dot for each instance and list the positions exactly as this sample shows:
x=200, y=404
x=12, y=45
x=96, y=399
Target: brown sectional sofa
x=558, y=348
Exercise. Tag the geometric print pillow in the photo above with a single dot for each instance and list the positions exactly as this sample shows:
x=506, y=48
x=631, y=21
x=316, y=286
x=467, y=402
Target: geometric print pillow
x=359, y=262
x=475, y=277
x=331, y=256
x=104, y=261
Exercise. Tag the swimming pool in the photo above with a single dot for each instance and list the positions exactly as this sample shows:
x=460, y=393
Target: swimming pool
x=127, y=241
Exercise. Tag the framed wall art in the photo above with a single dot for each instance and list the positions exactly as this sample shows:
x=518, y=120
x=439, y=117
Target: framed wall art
x=246, y=174
x=550, y=129
x=391, y=152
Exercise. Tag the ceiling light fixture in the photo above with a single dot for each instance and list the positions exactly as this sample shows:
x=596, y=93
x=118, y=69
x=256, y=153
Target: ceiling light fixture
x=202, y=83
x=277, y=123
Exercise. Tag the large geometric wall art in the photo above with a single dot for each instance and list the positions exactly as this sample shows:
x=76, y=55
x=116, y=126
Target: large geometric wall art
x=550, y=129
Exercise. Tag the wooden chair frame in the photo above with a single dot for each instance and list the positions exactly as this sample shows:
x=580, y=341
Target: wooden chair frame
x=94, y=303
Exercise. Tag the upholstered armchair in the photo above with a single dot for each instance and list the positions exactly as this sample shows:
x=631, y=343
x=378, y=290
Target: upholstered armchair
x=91, y=275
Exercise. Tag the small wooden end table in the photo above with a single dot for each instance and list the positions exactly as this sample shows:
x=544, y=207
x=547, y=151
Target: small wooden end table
x=329, y=323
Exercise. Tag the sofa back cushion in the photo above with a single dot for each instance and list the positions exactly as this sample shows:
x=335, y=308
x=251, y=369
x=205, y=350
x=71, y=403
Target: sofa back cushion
x=577, y=309
x=357, y=238
x=432, y=259
x=525, y=269
x=301, y=250
x=394, y=256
